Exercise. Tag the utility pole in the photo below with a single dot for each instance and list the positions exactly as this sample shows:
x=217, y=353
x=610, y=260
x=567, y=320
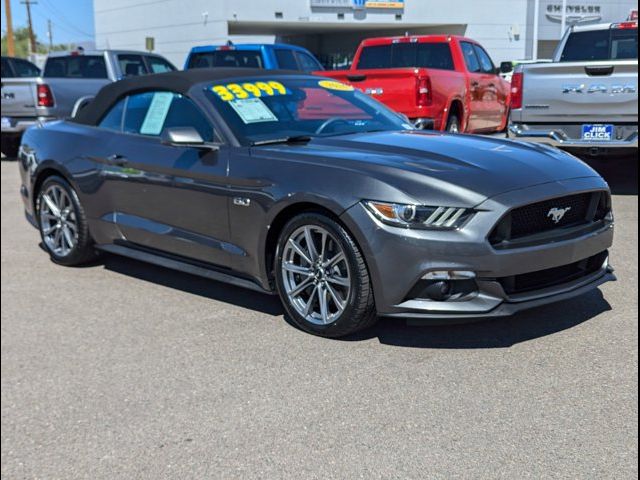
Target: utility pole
x=50, y=35
x=32, y=37
x=11, y=48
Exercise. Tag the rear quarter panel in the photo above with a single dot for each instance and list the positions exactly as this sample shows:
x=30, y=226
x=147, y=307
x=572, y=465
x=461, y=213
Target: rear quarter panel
x=72, y=151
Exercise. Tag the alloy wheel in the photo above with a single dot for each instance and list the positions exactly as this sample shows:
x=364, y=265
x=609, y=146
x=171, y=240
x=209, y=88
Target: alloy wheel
x=58, y=221
x=316, y=274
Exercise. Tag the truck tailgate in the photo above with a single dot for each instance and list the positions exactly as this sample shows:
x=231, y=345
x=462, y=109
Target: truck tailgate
x=19, y=97
x=578, y=92
x=395, y=87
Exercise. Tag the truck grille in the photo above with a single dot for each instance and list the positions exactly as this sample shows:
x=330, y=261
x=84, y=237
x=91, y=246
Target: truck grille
x=555, y=215
x=554, y=276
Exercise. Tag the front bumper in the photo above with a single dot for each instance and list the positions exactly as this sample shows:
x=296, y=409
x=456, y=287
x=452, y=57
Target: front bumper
x=569, y=136
x=399, y=258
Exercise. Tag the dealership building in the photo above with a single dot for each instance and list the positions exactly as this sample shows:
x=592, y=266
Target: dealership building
x=332, y=29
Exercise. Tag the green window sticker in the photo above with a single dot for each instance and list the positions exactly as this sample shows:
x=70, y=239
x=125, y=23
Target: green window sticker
x=157, y=113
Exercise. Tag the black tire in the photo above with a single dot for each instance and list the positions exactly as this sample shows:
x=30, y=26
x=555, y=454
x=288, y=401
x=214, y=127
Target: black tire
x=83, y=251
x=453, y=123
x=10, y=146
x=359, y=312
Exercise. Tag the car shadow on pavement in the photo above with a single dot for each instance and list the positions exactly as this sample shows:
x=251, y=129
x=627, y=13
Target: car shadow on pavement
x=497, y=333
x=221, y=292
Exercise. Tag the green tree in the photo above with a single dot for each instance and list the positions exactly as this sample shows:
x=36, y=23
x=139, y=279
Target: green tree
x=21, y=41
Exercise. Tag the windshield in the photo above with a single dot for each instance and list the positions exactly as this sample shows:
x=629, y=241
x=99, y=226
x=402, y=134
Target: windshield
x=610, y=44
x=262, y=110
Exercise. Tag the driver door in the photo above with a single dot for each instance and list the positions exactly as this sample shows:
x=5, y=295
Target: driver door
x=166, y=198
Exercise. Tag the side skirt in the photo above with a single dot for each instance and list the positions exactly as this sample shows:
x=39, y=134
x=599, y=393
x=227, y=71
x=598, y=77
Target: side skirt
x=182, y=266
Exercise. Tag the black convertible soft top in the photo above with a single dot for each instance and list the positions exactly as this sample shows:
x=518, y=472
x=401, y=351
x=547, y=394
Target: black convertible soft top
x=178, y=81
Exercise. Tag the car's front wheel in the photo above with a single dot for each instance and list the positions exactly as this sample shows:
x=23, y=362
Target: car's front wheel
x=63, y=224
x=322, y=277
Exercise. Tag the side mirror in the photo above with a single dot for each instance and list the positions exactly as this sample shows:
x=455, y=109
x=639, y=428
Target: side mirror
x=506, y=67
x=185, y=137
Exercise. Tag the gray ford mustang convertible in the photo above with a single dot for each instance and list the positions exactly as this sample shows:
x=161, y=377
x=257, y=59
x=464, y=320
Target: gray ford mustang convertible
x=303, y=186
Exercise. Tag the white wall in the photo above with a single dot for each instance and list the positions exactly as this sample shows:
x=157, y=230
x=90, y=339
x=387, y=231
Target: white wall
x=178, y=25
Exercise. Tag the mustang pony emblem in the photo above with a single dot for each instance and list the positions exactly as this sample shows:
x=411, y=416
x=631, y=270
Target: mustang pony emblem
x=557, y=214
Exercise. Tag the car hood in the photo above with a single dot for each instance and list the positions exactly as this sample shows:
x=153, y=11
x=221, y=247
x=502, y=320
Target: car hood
x=469, y=167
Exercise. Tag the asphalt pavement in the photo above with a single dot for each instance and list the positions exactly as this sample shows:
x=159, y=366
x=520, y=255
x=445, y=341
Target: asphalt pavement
x=124, y=370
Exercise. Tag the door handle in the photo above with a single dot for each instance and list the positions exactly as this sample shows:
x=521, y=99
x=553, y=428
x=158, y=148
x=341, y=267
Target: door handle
x=117, y=159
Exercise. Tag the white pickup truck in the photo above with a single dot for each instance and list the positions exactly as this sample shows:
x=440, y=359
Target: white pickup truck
x=586, y=100
x=66, y=78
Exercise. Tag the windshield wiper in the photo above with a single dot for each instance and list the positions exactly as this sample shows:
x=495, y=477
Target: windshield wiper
x=290, y=140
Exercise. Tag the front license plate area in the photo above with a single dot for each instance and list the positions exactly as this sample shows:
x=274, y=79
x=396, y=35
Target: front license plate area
x=597, y=133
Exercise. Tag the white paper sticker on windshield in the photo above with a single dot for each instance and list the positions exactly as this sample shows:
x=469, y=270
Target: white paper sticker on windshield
x=253, y=110
x=157, y=113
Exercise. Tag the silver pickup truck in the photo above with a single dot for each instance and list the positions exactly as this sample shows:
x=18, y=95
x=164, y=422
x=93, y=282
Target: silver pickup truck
x=66, y=78
x=586, y=100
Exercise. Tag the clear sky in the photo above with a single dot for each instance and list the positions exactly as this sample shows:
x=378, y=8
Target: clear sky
x=72, y=20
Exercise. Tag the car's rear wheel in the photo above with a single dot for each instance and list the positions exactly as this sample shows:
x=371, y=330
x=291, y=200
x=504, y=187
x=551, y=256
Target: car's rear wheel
x=322, y=278
x=63, y=224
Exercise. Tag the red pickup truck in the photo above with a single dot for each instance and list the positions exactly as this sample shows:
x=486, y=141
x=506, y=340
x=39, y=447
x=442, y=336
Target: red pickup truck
x=441, y=82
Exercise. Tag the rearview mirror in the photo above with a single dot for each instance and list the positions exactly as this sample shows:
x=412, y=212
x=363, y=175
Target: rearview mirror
x=506, y=67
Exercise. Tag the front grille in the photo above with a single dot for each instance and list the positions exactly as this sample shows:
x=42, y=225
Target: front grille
x=554, y=276
x=557, y=214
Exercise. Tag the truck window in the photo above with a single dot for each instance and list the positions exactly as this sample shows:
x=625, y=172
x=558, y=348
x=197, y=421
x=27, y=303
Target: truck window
x=307, y=62
x=286, y=60
x=24, y=69
x=7, y=72
x=434, y=55
x=610, y=44
x=131, y=65
x=159, y=64
x=406, y=55
x=486, y=64
x=378, y=56
x=470, y=57
x=226, y=58
x=76, y=66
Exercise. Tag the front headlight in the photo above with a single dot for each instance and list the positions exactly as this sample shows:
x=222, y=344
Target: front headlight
x=419, y=216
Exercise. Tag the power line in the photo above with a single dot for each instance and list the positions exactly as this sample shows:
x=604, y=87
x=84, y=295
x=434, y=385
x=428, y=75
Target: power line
x=61, y=18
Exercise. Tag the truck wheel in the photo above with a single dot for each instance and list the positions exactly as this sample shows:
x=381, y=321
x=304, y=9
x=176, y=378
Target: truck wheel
x=63, y=224
x=322, y=278
x=453, y=123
